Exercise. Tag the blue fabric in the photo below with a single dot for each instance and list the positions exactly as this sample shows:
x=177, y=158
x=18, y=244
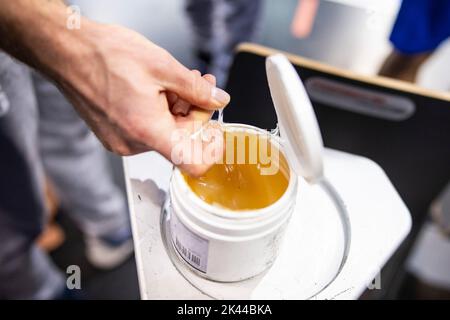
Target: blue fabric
x=421, y=25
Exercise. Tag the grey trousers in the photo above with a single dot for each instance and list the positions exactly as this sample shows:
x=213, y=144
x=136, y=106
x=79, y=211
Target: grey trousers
x=40, y=132
x=219, y=26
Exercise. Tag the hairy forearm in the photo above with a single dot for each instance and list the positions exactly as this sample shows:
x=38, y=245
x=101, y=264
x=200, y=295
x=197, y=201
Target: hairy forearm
x=35, y=32
x=125, y=87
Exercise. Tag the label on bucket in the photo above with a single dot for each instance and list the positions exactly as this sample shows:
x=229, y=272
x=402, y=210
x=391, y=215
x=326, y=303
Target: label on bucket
x=191, y=247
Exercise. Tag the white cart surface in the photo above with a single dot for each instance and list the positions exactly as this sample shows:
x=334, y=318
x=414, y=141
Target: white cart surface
x=309, y=263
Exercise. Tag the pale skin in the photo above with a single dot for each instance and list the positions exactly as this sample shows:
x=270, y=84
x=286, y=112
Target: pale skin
x=132, y=93
x=304, y=17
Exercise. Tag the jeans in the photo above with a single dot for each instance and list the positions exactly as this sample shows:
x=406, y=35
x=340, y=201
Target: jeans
x=219, y=26
x=41, y=135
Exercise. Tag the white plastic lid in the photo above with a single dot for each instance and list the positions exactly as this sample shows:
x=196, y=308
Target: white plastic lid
x=298, y=125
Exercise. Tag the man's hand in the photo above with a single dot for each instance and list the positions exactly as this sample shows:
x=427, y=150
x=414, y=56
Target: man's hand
x=132, y=93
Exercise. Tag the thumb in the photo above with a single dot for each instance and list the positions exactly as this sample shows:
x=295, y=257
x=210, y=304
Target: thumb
x=193, y=88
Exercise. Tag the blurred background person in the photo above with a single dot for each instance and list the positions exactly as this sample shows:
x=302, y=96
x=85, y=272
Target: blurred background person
x=420, y=28
x=339, y=35
x=41, y=133
x=66, y=158
x=219, y=26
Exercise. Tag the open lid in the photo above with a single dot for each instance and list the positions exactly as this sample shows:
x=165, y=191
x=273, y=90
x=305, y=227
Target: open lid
x=298, y=125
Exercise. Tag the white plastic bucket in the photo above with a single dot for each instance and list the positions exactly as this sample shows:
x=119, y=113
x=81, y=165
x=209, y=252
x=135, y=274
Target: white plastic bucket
x=221, y=244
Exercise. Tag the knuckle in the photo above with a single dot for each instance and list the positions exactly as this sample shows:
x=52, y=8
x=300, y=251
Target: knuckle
x=123, y=150
x=107, y=146
x=117, y=147
x=159, y=61
x=139, y=134
x=155, y=67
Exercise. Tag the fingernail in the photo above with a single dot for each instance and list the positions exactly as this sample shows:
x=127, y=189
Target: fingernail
x=220, y=97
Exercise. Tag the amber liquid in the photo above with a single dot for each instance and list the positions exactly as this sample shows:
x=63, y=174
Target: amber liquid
x=240, y=185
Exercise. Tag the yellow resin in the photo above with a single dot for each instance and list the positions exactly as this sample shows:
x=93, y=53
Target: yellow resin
x=238, y=184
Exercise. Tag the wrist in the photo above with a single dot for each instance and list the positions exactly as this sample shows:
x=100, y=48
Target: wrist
x=72, y=51
x=62, y=52
x=38, y=33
